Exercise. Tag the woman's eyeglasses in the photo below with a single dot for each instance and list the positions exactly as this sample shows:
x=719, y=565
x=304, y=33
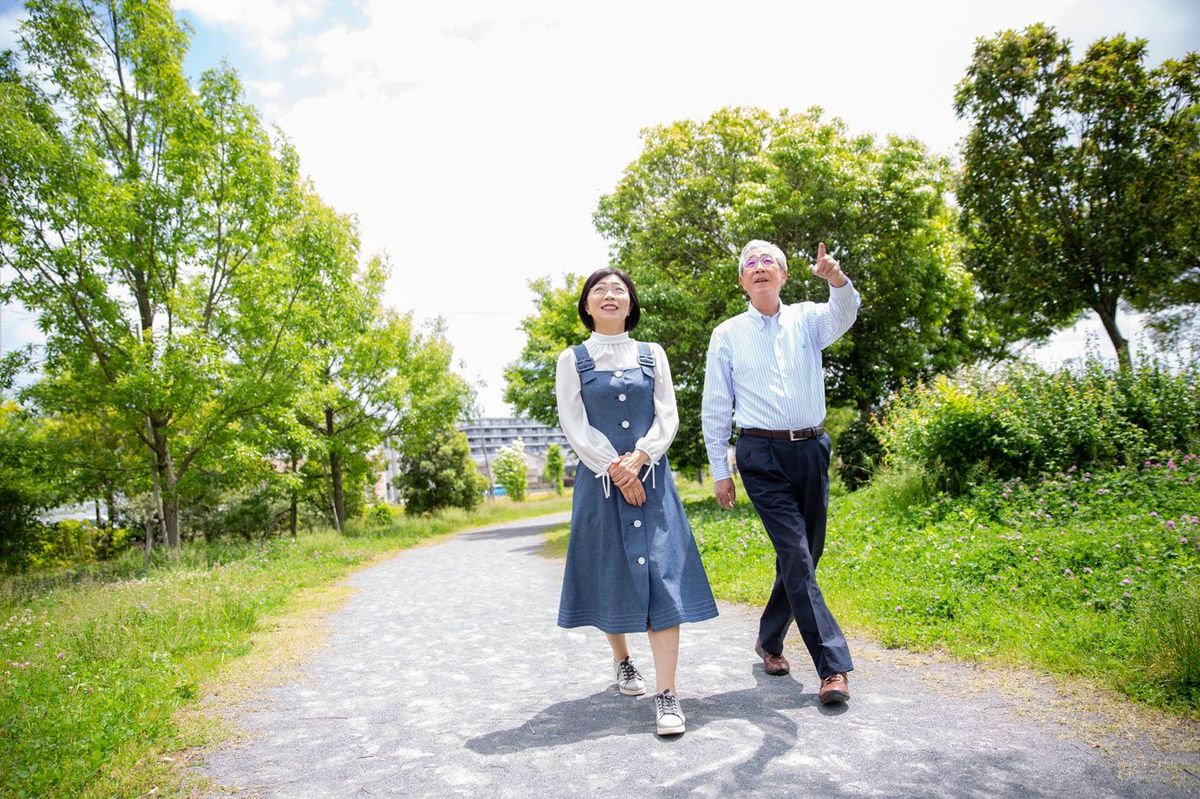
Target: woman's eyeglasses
x=599, y=290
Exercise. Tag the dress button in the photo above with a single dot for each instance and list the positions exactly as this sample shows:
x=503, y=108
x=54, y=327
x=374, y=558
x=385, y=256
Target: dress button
x=641, y=561
x=625, y=423
x=621, y=397
x=637, y=522
x=618, y=373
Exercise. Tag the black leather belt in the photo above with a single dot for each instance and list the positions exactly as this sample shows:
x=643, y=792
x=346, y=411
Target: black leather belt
x=786, y=435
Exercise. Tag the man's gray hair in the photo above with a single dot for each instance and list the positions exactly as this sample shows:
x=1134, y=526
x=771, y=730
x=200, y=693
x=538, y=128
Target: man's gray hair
x=758, y=245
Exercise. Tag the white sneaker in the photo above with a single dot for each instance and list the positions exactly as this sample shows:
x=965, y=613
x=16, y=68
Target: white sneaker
x=629, y=679
x=669, y=717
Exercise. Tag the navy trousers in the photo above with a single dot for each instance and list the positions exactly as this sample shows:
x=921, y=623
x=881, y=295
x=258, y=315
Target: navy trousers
x=788, y=482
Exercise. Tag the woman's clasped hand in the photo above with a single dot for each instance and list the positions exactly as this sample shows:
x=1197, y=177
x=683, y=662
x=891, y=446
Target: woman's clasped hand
x=624, y=474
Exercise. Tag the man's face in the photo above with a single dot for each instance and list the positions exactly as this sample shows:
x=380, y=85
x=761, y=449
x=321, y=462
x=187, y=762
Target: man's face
x=762, y=277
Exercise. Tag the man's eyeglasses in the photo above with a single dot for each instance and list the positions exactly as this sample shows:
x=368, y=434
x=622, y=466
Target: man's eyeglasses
x=755, y=261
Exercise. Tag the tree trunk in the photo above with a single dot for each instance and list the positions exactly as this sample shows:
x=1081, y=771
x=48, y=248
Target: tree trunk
x=335, y=473
x=165, y=493
x=294, y=509
x=1108, y=317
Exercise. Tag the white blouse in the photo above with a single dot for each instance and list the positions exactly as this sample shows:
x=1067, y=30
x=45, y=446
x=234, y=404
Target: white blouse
x=611, y=353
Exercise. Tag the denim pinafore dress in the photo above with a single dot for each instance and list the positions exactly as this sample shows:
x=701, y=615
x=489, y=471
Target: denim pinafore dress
x=629, y=568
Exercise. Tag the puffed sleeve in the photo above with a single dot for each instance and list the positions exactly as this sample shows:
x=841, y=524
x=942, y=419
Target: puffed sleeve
x=592, y=447
x=666, y=416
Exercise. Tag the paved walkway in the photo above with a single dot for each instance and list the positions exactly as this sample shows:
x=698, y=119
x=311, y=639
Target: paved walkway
x=446, y=676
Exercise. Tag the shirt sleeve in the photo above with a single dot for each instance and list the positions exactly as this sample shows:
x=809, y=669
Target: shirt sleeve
x=830, y=320
x=716, y=407
x=591, y=446
x=666, y=416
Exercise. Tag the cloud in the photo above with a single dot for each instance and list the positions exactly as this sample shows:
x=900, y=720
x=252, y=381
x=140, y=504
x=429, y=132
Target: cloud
x=472, y=32
x=264, y=25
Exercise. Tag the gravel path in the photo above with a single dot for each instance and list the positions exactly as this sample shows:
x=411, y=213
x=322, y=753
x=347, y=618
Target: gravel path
x=446, y=676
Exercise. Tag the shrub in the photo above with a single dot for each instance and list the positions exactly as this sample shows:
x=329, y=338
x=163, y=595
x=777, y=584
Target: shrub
x=1024, y=421
x=859, y=452
x=72, y=543
x=440, y=476
x=512, y=471
x=380, y=515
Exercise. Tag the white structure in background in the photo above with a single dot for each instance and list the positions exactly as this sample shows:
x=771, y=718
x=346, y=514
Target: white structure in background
x=486, y=436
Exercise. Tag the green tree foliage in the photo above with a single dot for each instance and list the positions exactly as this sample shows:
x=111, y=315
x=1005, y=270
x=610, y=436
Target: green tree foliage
x=699, y=190
x=165, y=241
x=553, y=473
x=511, y=470
x=439, y=473
x=1081, y=181
x=554, y=326
x=24, y=487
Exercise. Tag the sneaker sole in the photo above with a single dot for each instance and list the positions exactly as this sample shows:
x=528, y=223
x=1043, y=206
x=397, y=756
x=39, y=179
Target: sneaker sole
x=665, y=731
x=628, y=692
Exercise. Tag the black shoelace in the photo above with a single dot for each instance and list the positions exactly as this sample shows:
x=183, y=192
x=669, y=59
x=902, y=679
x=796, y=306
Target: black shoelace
x=666, y=703
x=628, y=671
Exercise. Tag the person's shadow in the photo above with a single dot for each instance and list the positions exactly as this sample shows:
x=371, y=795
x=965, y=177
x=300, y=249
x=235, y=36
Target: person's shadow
x=609, y=713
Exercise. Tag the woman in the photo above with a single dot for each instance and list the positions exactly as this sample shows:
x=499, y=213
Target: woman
x=632, y=564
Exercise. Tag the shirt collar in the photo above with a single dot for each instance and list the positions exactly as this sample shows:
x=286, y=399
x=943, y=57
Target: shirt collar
x=760, y=319
x=600, y=338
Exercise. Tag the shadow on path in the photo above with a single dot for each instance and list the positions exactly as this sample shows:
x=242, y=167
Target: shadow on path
x=608, y=713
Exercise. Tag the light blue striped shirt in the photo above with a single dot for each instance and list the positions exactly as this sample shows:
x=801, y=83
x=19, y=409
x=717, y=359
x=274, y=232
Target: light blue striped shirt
x=766, y=371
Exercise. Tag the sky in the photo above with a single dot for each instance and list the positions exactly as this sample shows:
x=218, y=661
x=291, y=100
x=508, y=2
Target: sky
x=472, y=141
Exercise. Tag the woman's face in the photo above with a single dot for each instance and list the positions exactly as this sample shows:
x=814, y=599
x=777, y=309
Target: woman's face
x=608, y=303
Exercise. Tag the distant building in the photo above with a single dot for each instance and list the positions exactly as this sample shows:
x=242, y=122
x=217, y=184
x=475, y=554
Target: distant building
x=487, y=436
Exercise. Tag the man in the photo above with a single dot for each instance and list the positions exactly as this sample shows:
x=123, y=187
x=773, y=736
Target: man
x=764, y=371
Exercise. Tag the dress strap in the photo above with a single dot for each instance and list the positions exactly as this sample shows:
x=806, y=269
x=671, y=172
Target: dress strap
x=646, y=359
x=585, y=365
x=583, y=359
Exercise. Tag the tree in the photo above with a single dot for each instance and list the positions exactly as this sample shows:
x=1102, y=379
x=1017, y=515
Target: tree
x=554, y=468
x=378, y=378
x=440, y=476
x=699, y=190
x=165, y=241
x=511, y=470
x=1081, y=181
x=554, y=326
x=24, y=485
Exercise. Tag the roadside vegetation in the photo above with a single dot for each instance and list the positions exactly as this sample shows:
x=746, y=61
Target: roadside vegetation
x=1041, y=519
x=99, y=659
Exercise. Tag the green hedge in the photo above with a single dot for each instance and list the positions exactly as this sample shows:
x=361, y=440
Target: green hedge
x=1023, y=421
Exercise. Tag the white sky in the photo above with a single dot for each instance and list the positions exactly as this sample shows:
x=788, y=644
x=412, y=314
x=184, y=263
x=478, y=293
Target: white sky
x=473, y=140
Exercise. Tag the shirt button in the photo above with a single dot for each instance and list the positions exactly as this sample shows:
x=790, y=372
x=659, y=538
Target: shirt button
x=618, y=373
x=621, y=397
x=637, y=522
x=641, y=561
x=625, y=423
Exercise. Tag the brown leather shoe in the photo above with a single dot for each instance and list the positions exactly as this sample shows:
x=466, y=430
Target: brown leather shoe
x=834, y=688
x=775, y=665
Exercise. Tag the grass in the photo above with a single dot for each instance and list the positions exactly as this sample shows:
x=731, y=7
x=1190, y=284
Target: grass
x=1092, y=575
x=101, y=663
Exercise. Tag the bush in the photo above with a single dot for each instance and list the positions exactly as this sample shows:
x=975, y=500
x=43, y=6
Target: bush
x=512, y=471
x=1024, y=421
x=440, y=476
x=380, y=515
x=73, y=543
x=859, y=452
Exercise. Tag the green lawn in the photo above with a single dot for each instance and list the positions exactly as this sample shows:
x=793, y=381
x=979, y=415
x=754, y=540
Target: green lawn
x=100, y=664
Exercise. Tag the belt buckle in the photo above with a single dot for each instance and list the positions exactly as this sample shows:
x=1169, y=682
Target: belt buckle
x=793, y=437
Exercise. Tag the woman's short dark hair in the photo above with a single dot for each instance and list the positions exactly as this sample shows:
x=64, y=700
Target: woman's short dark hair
x=635, y=308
